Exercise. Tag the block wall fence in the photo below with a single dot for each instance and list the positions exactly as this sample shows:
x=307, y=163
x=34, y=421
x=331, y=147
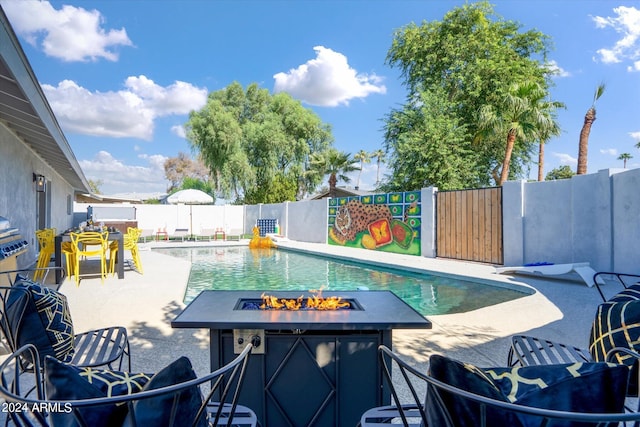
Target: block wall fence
x=589, y=218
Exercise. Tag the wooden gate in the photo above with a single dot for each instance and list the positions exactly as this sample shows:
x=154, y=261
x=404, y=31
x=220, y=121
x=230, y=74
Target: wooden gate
x=469, y=225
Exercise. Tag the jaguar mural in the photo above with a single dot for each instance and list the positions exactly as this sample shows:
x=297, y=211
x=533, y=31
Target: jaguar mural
x=388, y=222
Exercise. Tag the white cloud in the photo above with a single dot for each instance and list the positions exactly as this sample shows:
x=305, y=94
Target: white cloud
x=557, y=70
x=327, y=80
x=118, y=177
x=609, y=151
x=627, y=48
x=70, y=33
x=179, y=131
x=126, y=113
x=635, y=135
x=565, y=159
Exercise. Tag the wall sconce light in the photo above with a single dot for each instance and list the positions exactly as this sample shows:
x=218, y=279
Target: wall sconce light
x=41, y=183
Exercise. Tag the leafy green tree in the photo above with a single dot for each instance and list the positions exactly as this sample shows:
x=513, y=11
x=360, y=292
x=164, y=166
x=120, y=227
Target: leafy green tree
x=257, y=145
x=362, y=157
x=379, y=155
x=562, y=172
x=426, y=142
x=624, y=157
x=589, y=118
x=334, y=163
x=198, y=184
x=465, y=62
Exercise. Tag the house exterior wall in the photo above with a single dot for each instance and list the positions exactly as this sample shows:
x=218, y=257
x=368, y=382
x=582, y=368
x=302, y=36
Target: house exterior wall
x=18, y=194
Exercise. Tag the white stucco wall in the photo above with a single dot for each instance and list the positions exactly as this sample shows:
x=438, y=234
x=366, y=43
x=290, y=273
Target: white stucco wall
x=591, y=218
x=625, y=216
x=308, y=221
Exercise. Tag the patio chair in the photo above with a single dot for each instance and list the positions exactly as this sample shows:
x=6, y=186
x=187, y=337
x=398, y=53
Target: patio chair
x=130, y=243
x=527, y=350
x=90, y=244
x=206, y=234
x=457, y=394
x=625, y=285
x=31, y=313
x=147, y=232
x=62, y=395
x=45, y=239
x=180, y=233
x=614, y=337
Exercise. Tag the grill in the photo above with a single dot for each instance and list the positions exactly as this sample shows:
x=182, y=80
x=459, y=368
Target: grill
x=309, y=367
x=11, y=245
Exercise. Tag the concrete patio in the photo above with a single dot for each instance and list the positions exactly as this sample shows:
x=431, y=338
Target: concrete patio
x=145, y=304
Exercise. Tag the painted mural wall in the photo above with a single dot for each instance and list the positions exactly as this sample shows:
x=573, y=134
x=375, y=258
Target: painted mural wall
x=382, y=222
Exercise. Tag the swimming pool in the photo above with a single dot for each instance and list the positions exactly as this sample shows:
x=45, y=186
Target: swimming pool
x=241, y=268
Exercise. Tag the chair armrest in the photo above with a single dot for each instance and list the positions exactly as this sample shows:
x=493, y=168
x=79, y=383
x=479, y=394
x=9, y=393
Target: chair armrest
x=623, y=279
x=526, y=351
x=8, y=277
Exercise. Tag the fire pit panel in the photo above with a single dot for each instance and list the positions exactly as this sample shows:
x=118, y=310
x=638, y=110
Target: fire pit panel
x=318, y=367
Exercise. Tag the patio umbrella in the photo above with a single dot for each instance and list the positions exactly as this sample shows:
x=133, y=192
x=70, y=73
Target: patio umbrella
x=190, y=197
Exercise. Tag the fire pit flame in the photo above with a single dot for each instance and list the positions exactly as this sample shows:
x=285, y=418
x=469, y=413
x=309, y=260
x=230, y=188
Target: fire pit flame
x=314, y=302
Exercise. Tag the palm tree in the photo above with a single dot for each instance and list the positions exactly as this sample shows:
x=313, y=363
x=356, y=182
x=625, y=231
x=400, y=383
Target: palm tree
x=334, y=163
x=589, y=118
x=363, y=157
x=379, y=156
x=545, y=133
x=624, y=157
x=522, y=115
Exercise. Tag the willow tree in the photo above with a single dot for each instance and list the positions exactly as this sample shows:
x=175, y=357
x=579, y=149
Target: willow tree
x=257, y=145
x=462, y=63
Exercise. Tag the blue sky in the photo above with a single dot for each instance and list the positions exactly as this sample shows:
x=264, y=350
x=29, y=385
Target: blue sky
x=121, y=76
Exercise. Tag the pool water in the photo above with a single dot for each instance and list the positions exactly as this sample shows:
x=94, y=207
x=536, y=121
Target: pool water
x=241, y=268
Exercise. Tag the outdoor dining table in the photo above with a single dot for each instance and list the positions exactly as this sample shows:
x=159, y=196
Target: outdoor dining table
x=66, y=237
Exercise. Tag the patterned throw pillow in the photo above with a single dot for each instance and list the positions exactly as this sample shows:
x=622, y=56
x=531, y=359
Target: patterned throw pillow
x=68, y=382
x=156, y=411
x=577, y=387
x=40, y=316
x=617, y=324
x=467, y=377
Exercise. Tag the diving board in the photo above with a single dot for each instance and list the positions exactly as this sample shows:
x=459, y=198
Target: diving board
x=583, y=269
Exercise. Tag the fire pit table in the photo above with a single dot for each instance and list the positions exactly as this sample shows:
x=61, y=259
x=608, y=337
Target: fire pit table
x=310, y=367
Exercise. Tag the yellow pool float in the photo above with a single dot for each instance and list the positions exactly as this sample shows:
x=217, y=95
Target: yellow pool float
x=260, y=242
